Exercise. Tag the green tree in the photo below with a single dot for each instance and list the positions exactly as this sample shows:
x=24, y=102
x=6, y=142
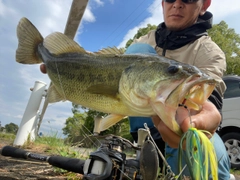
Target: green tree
x=11, y=128
x=229, y=42
x=141, y=32
x=75, y=108
x=73, y=125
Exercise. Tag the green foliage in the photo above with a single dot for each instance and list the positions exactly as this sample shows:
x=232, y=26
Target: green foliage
x=51, y=140
x=73, y=125
x=55, y=145
x=7, y=136
x=229, y=42
x=125, y=134
x=75, y=108
x=141, y=32
x=119, y=129
x=11, y=128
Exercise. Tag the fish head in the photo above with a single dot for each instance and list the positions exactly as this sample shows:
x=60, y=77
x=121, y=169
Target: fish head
x=159, y=79
x=182, y=85
x=157, y=86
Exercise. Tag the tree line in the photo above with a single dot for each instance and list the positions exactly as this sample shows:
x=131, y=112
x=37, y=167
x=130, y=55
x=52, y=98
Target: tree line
x=9, y=128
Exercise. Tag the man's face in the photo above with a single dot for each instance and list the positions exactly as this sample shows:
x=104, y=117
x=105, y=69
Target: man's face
x=179, y=15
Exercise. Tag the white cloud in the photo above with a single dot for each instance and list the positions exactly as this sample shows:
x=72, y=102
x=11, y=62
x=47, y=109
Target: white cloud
x=99, y=2
x=88, y=15
x=111, y=1
x=223, y=8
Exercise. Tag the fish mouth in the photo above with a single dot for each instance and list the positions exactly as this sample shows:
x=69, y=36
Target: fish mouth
x=196, y=90
x=192, y=92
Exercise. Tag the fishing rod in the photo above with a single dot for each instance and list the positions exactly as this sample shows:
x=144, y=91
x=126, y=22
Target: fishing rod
x=108, y=162
x=70, y=164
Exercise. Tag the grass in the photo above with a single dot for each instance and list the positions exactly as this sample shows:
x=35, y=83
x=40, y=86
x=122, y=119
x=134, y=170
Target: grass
x=54, y=145
x=235, y=172
x=7, y=136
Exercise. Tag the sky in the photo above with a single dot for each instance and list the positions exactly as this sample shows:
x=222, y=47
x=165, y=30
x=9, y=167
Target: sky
x=105, y=23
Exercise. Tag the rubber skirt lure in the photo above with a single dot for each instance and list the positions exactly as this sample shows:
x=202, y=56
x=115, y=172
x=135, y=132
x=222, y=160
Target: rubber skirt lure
x=199, y=155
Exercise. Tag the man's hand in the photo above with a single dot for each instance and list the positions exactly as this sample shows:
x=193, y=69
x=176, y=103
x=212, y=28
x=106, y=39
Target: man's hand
x=43, y=69
x=207, y=119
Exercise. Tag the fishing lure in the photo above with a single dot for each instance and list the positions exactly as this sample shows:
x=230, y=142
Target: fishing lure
x=199, y=155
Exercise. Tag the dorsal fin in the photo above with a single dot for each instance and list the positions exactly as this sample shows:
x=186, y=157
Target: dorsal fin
x=58, y=43
x=111, y=50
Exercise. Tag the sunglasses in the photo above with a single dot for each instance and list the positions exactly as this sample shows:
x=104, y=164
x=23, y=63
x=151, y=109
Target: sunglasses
x=185, y=1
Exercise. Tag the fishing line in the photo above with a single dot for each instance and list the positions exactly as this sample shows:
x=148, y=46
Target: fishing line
x=189, y=112
x=132, y=22
x=60, y=81
x=122, y=22
x=169, y=171
x=91, y=134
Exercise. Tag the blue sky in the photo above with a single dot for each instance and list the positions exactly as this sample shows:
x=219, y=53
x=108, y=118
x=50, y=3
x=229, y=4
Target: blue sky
x=105, y=23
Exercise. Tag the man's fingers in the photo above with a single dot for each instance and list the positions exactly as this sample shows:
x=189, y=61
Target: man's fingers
x=167, y=134
x=43, y=68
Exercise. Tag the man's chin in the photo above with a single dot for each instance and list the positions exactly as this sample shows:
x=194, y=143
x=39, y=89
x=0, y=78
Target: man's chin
x=175, y=26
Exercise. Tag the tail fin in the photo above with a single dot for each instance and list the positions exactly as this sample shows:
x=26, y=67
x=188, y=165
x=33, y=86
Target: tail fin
x=28, y=40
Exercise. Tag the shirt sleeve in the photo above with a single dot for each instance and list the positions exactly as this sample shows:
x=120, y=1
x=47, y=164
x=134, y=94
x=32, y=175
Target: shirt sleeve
x=211, y=60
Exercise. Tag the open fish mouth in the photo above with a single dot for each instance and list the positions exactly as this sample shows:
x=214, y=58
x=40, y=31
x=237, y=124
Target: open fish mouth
x=196, y=90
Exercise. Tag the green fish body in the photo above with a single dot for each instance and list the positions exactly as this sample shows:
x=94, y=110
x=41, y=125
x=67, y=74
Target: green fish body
x=111, y=82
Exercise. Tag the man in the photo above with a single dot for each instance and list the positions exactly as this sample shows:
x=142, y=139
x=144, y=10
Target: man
x=183, y=37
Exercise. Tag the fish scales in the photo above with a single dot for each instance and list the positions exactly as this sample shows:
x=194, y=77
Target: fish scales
x=93, y=71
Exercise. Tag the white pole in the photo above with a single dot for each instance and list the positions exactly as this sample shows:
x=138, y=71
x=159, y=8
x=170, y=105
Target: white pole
x=28, y=123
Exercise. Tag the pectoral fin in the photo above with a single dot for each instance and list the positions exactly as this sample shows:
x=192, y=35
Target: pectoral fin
x=53, y=95
x=103, y=90
x=101, y=124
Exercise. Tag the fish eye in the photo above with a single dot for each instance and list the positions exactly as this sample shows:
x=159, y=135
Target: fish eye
x=173, y=69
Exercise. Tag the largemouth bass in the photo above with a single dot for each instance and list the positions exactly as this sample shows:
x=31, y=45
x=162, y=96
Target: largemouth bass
x=111, y=82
